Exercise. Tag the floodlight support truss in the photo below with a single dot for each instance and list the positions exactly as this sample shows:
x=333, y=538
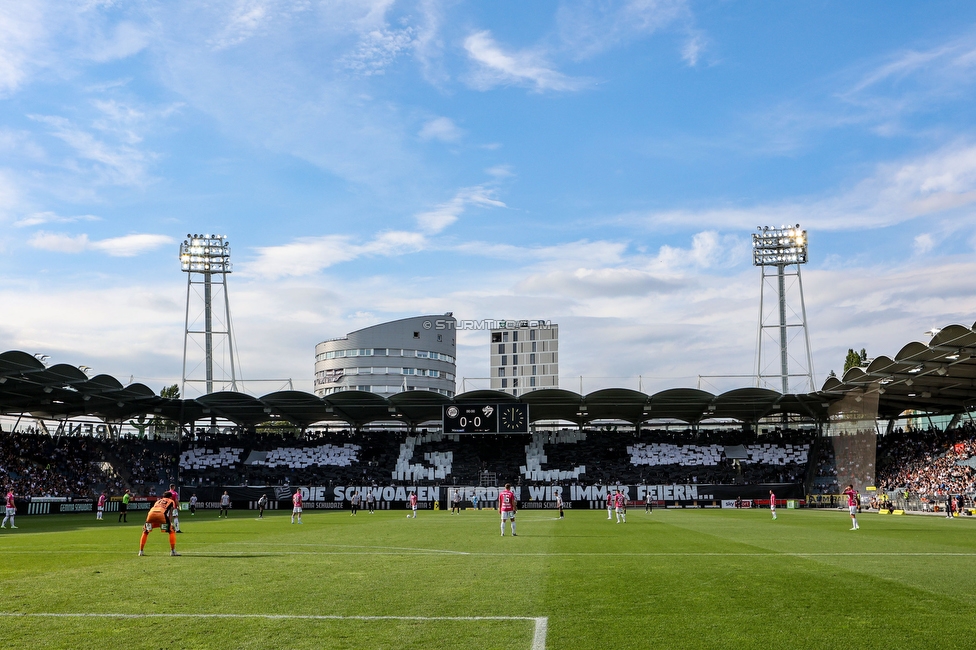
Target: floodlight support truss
x=202, y=257
x=784, y=249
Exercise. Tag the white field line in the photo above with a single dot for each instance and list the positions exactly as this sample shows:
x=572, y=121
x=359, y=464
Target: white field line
x=539, y=632
x=220, y=553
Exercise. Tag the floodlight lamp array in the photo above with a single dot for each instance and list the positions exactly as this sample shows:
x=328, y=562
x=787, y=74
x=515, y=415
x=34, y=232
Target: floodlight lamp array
x=205, y=254
x=779, y=246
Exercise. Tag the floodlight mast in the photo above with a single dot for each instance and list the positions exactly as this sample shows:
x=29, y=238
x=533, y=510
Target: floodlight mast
x=781, y=248
x=206, y=256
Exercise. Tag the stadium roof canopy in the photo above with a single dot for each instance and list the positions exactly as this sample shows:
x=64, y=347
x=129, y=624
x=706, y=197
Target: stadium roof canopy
x=934, y=378
x=61, y=391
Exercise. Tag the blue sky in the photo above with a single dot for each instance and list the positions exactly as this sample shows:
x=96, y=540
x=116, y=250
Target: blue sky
x=600, y=164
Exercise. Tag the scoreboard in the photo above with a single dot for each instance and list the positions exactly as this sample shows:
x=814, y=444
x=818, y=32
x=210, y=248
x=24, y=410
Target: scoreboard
x=486, y=418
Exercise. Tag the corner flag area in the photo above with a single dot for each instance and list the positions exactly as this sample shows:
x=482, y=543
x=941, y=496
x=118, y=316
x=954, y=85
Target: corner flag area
x=672, y=578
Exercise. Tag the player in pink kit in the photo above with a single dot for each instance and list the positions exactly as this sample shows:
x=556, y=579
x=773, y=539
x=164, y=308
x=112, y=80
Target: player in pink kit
x=620, y=506
x=609, y=504
x=507, y=507
x=11, y=510
x=852, y=505
x=175, y=515
x=413, y=504
x=101, y=506
x=296, y=502
x=772, y=503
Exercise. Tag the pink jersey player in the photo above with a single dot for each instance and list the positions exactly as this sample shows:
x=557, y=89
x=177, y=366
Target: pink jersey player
x=507, y=507
x=413, y=504
x=609, y=505
x=11, y=511
x=296, y=510
x=851, y=495
x=101, y=505
x=620, y=506
x=772, y=503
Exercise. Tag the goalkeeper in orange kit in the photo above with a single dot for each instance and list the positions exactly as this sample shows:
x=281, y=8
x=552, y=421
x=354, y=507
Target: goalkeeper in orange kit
x=159, y=516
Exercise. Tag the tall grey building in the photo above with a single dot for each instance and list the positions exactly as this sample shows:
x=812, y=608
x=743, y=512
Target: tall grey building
x=524, y=356
x=408, y=354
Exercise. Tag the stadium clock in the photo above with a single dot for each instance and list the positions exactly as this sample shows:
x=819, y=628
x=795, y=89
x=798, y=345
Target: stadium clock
x=513, y=418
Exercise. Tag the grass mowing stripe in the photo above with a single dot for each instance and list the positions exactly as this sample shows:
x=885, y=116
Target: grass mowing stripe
x=539, y=629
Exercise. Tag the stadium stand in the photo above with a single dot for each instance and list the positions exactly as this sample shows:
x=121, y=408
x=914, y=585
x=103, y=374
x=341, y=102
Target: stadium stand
x=928, y=463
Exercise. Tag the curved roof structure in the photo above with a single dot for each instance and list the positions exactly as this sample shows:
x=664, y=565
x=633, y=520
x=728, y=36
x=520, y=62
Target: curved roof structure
x=936, y=378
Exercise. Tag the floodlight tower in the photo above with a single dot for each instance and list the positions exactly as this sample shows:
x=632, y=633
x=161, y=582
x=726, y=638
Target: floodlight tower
x=202, y=257
x=782, y=249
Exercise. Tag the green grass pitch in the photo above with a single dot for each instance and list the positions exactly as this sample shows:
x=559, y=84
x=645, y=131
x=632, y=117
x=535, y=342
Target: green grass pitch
x=671, y=579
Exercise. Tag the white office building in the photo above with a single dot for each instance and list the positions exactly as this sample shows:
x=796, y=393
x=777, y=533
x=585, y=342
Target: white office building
x=408, y=354
x=524, y=356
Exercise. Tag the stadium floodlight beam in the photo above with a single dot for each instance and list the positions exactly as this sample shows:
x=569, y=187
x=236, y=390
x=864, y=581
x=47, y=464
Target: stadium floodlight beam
x=781, y=248
x=203, y=256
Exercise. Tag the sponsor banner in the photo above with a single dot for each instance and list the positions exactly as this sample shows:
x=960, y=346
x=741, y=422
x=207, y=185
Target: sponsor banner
x=529, y=497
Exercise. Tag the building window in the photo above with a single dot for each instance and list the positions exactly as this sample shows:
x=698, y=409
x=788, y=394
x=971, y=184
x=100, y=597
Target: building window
x=501, y=372
x=532, y=337
x=496, y=337
x=505, y=336
x=533, y=370
x=504, y=383
x=408, y=371
x=531, y=381
x=379, y=352
x=515, y=336
x=533, y=346
x=501, y=348
x=416, y=335
x=515, y=383
x=515, y=371
x=514, y=359
x=440, y=337
x=504, y=361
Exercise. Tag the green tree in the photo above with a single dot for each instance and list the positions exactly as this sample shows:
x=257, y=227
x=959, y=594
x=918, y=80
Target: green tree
x=855, y=359
x=172, y=392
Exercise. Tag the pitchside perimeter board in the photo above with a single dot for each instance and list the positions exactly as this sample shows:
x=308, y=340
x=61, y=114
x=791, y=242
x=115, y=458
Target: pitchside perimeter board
x=486, y=418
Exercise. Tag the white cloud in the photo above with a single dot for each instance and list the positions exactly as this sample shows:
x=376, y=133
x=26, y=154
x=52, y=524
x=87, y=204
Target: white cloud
x=378, y=49
x=310, y=255
x=58, y=242
x=125, y=246
x=22, y=33
x=245, y=19
x=924, y=243
x=131, y=245
x=590, y=27
x=127, y=39
x=693, y=48
x=436, y=220
x=441, y=128
x=940, y=183
x=497, y=67
x=41, y=218
x=119, y=163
